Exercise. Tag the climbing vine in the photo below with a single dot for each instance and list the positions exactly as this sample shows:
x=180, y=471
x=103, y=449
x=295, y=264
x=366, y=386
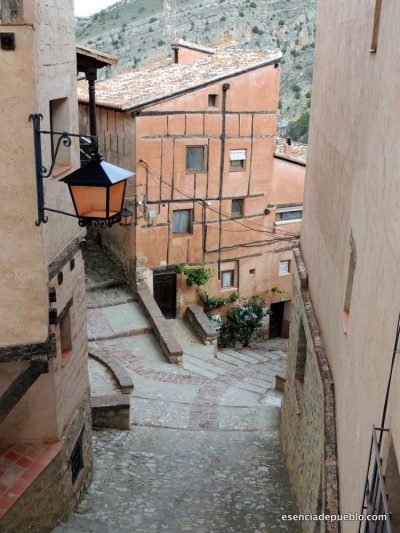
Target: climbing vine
x=194, y=276
x=214, y=302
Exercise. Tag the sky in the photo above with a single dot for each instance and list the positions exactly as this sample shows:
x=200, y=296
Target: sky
x=83, y=8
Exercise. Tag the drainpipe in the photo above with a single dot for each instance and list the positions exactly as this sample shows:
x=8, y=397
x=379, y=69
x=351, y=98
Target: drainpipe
x=225, y=88
x=91, y=76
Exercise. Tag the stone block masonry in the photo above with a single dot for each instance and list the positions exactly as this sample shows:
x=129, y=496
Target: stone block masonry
x=196, y=317
x=51, y=496
x=308, y=428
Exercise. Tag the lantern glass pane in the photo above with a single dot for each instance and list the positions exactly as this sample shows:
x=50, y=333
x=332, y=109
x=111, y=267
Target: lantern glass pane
x=89, y=201
x=117, y=197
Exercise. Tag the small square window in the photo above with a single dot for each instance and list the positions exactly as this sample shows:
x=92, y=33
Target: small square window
x=227, y=279
x=212, y=100
x=284, y=267
x=237, y=160
x=76, y=460
x=252, y=272
x=65, y=334
x=237, y=206
x=183, y=221
x=195, y=158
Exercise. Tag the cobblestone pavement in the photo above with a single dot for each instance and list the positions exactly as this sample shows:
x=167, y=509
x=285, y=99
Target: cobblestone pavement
x=203, y=452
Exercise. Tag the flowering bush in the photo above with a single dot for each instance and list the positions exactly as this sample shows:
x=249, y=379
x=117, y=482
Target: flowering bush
x=242, y=321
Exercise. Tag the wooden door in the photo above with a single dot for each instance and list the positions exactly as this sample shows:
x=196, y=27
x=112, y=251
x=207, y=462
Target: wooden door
x=164, y=286
x=276, y=319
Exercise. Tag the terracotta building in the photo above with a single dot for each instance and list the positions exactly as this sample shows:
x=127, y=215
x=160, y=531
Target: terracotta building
x=45, y=422
x=200, y=135
x=343, y=375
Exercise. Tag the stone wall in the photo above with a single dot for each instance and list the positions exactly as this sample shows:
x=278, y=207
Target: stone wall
x=51, y=497
x=196, y=317
x=308, y=415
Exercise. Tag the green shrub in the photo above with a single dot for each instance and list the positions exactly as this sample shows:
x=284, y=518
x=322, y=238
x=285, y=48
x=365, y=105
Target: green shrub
x=257, y=30
x=294, y=53
x=153, y=19
x=298, y=130
x=222, y=19
x=242, y=321
x=308, y=94
x=241, y=14
x=161, y=42
x=253, y=5
x=296, y=88
x=281, y=23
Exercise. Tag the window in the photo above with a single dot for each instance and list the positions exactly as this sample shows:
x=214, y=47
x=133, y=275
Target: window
x=287, y=215
x=284, y=267
x=237, y=206
x=375, y=29
x=301, y=358
x=65, y=333
x=227, y=279
x=183, y=221
x=195, y=158
x=175, y=50
x=212, y=100
x=237, y=160
x=59, y=121
x=76, y=460
x=252, y=272
x=349, y=284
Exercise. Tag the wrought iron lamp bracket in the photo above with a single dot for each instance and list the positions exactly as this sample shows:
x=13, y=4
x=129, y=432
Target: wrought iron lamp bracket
x=41, y=171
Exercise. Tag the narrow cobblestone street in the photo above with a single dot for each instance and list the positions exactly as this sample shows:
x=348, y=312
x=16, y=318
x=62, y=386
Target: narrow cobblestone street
x=203, y=452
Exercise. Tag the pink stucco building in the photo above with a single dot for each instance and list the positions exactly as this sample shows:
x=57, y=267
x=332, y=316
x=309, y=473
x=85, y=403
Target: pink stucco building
x=210, y=186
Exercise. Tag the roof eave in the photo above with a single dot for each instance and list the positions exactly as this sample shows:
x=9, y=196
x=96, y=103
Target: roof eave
x=152, y=101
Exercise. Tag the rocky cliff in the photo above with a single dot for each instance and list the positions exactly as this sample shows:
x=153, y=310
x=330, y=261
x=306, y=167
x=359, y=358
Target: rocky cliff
x=139, y=33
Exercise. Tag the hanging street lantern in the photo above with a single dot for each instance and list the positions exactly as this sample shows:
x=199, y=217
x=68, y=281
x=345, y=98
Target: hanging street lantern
x=97, y=188
x=126, y=217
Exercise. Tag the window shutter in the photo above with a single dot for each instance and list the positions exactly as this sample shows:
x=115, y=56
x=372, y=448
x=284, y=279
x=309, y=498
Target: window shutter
x=238, y=155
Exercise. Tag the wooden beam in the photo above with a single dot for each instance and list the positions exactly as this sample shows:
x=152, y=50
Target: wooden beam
x=27, y=352
x=21, y=384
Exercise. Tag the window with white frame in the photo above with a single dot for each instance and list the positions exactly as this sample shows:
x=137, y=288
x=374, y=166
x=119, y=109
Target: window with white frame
x=284, y=267
x=288, y=215
x=183, y=221
x=237, y=159
x=227, y=278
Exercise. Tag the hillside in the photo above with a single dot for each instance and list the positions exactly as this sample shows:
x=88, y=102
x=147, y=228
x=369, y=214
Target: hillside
x=139, y=32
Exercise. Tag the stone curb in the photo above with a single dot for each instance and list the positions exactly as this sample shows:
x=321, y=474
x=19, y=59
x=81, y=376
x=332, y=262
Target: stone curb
x=111, y=411
x=124, y=380
x=196, y=317
x=169, y=345
x=119, y=334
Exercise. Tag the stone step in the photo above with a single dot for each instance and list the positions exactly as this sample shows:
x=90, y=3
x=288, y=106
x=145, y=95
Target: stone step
x=266, y=384
x=212, y=367
x=233, y=361
x=248, y=387
x=253, y=354
x=198, y=370
x=240, y=356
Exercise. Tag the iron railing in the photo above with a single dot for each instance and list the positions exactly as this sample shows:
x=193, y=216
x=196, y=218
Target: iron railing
x=375, y=507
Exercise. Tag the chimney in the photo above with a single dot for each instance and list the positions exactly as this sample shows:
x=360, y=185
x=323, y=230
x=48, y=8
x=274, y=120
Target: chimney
x=184, y=53
x=288, y=148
